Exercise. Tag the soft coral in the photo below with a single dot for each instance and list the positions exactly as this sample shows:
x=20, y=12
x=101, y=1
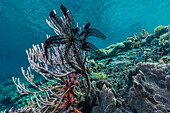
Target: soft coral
x=69, y=95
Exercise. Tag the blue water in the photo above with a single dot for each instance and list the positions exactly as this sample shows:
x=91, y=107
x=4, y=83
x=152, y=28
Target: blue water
x=22, y=23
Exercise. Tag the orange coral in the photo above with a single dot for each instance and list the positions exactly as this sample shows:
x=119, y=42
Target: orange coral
x=69, y=96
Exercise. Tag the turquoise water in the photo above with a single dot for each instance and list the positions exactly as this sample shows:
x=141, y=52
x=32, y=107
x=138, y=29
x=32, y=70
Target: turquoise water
x=23, y=23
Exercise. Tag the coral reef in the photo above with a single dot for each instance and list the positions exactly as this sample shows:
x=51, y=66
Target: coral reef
x=146, y=89
x=159, y=30
x=21, y=110
x=150, y=88
x=106, y=101
x=142, y=85
x=132, y=42
x=99, y=76
x=164, y=41
x=131, y=76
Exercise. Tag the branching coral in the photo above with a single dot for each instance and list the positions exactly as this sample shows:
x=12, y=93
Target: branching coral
x=61, y=61
x=54, y=70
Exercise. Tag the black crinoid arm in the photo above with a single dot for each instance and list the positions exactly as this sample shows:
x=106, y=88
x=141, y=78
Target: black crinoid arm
x=66, y=34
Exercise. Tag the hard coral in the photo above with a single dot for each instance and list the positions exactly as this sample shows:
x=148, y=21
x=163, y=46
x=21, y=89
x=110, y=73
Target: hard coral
x=99, y=76
x=21, y=110
x=106, y=100
x=165, y=36
x=158, y=30
x=164, y=40
x=152, y=80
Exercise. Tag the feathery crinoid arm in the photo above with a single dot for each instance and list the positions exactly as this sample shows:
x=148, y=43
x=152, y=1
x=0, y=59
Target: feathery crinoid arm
x=87, y=46
x=53, y=41
x=91, y=32
x=67, y=16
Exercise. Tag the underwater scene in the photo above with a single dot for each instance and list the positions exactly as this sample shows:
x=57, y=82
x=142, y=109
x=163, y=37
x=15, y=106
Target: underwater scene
x=86, y=56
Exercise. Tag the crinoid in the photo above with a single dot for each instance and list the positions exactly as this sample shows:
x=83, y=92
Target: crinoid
x=75, y=40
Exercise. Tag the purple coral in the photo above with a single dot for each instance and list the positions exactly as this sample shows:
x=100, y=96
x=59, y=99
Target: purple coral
x=150, y=91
